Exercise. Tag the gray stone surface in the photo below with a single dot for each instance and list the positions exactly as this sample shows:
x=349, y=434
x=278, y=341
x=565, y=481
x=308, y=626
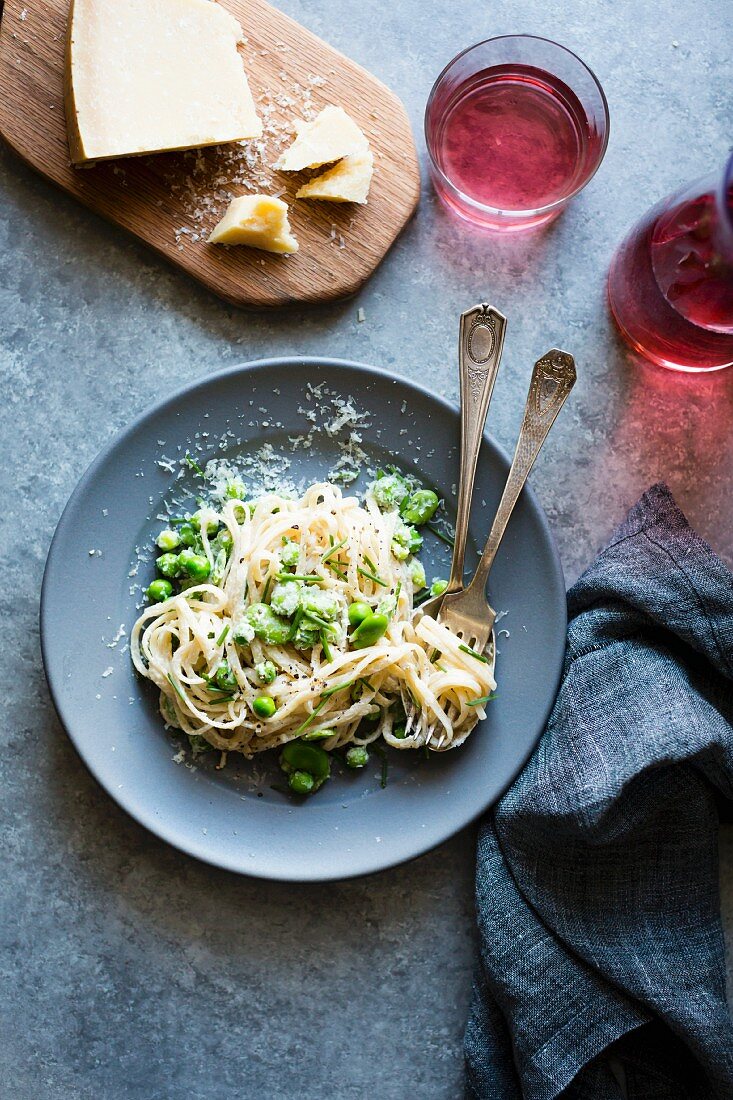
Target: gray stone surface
x=132, y=971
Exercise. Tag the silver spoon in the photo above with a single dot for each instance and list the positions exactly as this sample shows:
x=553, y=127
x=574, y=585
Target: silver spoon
x=480, y=344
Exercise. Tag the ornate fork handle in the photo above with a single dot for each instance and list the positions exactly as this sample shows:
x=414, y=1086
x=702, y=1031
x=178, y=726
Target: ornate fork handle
x=480, y=344
x=552, y=380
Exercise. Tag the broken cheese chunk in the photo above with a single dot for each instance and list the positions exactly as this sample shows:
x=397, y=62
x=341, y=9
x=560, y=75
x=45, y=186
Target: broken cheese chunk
x=347, y=181
x=145, y=76
x=330, y=136
x=258, y=221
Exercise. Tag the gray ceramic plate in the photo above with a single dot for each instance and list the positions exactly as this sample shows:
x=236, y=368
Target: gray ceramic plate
x=100, y=558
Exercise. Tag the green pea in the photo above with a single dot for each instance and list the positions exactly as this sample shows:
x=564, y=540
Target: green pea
x=357, y=757
x=263, y=706
x=196, y=565
x=168, y=539
x=399, y=731
x=168, y=565
x=188, y=535
x=301, y=782
x=297, y=756
x=212, y=525
x=358, y=612
x=369, y=631
x=438, y=587
x=160, y=590
x=225, y=678
x=419, y=507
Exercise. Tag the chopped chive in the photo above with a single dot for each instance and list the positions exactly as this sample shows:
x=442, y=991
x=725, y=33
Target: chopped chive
x=266, y=589
x=317, y=620
x=422, y=599
x=379, y=751
x=194, y=465
x=306, y=578
x=177, y=687
x=371, y=577
x=336, y=566
x=370, y=563
x=176, y=521
x=326, y=647
x=441, y=535
x=334, y=548
x=434, y=656
x=297, y=619
x=220, y=640
x=480, y=702
x=337, y=687
x=366, y=683
x=398, y=589
x=473, y=653
x=313, y=714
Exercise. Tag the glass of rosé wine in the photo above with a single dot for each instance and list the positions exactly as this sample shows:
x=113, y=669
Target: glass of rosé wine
x=515, y=126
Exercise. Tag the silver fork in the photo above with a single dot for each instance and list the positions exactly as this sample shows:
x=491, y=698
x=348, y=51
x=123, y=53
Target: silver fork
x=480, y=344
x=468, y=614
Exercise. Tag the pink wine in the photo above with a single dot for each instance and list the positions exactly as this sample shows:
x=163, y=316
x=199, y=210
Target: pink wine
x=671, y=281
x=515, y=138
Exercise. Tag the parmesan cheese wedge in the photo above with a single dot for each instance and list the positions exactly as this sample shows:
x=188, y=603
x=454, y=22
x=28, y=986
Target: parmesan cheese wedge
x=347, y=181
x=145, y=76
x=258, y=221
x=330, y=136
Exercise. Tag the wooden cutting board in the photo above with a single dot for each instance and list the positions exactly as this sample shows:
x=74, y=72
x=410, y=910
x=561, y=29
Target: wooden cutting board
x=172, y=200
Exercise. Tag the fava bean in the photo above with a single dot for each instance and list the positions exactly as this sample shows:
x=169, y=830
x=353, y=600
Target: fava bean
x=369, y=631
x=419, y=507
x=358, y=612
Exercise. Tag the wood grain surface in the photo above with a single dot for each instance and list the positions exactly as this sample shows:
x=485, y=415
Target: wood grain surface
x=172, y=201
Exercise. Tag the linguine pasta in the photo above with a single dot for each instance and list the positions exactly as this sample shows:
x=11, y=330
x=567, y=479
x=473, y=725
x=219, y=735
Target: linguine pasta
x=305, y=562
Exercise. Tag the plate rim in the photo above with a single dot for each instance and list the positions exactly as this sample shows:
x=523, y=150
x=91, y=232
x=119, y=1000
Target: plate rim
x=149, y=413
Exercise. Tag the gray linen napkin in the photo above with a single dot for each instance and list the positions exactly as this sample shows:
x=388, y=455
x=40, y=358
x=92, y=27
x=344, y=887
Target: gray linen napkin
x=601, y=950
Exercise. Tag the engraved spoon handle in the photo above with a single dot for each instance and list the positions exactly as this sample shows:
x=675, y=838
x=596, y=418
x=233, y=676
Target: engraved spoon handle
x=552, y=380
x=480, y=344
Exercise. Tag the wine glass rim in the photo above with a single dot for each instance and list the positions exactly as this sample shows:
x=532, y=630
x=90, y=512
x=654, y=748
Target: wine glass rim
x=518, y=215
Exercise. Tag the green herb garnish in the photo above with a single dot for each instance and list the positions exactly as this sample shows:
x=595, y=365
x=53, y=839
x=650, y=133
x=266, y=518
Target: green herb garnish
x=222, y=637
x=177, y=687
x=371, y=576
x=335, y=547
x=194, y=465
x=480, y=702
x=473, y=653
x=441, y=534
x=327, y=651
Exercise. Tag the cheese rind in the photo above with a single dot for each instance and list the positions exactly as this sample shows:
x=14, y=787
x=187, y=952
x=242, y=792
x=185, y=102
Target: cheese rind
x=331, y=136
x=259, y=221
x=149, y=76
x=347, y=181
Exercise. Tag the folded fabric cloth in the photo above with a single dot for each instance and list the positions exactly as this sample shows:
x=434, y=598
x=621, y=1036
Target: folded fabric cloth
x=601, y=971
